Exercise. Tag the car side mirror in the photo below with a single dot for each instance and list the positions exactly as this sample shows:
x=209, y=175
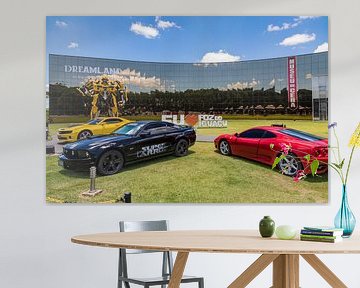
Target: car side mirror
x=237, y=135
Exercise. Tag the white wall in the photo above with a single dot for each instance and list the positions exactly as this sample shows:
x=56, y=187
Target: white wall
x=35, y=248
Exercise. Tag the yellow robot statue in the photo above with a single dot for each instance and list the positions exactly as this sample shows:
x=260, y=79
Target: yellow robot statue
x=107, y=95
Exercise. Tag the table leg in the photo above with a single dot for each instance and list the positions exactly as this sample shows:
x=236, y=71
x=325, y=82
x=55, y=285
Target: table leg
x=253, y=270
x=286, y=271
x=324, y=271
x=178, y=269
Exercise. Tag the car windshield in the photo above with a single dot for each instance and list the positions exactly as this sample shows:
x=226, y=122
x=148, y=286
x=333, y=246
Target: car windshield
x=129, y=129
x=94, y=121
x=301, y=135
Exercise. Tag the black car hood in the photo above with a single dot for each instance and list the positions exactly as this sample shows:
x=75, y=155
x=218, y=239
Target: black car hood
x=97, y=141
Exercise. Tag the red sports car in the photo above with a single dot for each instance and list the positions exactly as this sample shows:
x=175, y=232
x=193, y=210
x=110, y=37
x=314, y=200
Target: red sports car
x=255, y=144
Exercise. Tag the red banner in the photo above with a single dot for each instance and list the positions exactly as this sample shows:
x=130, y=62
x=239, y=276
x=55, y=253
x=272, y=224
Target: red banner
x=292, y=84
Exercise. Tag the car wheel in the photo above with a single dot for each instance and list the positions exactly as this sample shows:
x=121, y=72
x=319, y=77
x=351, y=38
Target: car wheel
x=290, y=165
x=181, y=148
x=110, y=162
x=84, y=134
x=224, y=148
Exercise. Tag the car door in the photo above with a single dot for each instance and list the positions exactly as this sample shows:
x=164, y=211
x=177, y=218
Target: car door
x=94, y=126
x=265, y=153
x=172, y=134
x=247, y=143
x=152, y=142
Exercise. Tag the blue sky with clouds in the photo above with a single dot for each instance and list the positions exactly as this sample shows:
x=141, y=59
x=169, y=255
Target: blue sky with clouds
x=186, y=39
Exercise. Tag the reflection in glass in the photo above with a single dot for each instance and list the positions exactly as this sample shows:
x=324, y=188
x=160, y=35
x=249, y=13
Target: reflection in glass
x=226, y=88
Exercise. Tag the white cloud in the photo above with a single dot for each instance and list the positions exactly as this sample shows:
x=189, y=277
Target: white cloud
x=165, y=24
x=305, y=18
x=298, y=39
x=322, y=48
x=220, y=56
x=132, y=77
x=284, y=26
x=241, y=85
x=205, y=64
x=73, y=45
x=272, y=28
x=148, y=32
x=61, y=24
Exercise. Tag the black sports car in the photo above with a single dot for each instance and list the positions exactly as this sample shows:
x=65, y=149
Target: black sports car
x=131, y=143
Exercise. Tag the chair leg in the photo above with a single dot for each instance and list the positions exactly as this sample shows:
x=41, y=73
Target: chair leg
x=120, y=273
x=201, y=283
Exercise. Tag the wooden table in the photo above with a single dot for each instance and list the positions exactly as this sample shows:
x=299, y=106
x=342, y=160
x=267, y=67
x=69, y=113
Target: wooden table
x=284, y=254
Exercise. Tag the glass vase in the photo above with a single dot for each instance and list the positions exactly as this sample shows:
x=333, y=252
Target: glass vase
x=345, y=219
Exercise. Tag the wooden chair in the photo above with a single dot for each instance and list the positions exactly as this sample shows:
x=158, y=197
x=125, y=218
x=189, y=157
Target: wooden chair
x=167, y=262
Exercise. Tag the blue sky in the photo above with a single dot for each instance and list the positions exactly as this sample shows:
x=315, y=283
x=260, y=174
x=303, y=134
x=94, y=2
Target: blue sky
x=186, y=39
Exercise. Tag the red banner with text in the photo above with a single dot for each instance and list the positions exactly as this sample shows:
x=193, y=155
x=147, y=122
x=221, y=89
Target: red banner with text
x=292, y=84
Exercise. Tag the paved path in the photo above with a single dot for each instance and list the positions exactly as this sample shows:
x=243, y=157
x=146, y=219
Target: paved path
x=53, y=141
x=205, y=138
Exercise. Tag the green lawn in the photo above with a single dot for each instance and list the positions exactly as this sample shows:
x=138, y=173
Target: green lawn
x=203, y=176
x=53, y=128
x=81, y=118
x=315, y=127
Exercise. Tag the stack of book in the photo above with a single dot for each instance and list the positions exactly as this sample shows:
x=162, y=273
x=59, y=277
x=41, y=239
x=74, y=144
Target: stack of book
x=321, y=234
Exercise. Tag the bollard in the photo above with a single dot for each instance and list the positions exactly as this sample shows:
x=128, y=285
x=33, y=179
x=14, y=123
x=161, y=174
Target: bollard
x=92, y=178
x=92, y=191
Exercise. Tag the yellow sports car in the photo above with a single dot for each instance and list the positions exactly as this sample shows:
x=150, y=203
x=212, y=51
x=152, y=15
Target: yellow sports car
x=98, y=126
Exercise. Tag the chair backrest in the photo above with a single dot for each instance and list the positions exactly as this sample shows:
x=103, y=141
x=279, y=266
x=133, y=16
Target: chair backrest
x=137, y=226
x=133, y=226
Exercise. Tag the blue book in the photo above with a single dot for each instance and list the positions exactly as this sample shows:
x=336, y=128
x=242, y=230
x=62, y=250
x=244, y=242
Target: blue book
x=322, y=231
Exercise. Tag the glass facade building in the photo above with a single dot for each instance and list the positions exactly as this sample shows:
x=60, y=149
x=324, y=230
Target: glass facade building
x=256, y=86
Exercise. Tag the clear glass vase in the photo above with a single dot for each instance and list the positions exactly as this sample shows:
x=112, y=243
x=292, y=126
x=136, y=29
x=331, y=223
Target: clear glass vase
x=345, y=219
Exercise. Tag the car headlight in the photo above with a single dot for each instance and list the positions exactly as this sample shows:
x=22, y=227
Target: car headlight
x=83, y=154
